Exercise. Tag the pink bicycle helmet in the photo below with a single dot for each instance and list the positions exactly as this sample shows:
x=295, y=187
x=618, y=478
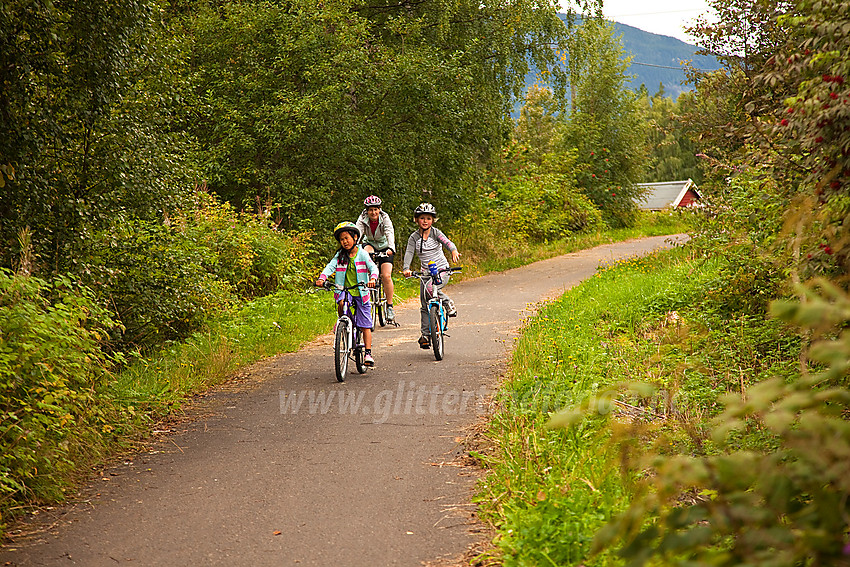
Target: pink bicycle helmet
x=372, y=201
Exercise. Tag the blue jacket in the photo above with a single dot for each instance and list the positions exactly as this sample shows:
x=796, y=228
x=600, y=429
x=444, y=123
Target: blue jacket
x=365, y=268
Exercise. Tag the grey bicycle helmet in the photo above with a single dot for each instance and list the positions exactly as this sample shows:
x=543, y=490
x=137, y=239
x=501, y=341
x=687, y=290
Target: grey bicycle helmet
x=425, y=209
x=372, y=201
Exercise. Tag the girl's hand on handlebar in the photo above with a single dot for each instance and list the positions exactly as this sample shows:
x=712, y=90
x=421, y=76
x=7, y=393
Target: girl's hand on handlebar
x=320, y=283
x=372, y=282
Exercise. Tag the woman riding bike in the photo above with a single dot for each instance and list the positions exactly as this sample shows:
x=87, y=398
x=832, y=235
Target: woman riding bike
x=378, y=235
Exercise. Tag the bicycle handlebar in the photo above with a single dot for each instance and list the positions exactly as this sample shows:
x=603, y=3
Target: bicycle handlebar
x=450, y=269
x=329, y=285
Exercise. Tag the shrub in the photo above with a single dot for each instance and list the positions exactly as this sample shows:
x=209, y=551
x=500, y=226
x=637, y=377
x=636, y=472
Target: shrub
x=784, y=506
x=51, y=368
x=544, y=207
x=253, y=258
x=158, y=279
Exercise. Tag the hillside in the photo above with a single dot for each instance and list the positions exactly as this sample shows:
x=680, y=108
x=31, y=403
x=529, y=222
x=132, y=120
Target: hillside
x=656, y=60
x=653, y=54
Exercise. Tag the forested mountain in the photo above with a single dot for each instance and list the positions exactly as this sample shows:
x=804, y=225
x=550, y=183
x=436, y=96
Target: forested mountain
x=656, y=60
x=653, y=54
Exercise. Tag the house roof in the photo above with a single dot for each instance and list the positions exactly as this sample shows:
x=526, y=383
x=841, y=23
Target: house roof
x=665, y=194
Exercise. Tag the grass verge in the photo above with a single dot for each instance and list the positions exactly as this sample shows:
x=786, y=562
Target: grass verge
x=549, y=490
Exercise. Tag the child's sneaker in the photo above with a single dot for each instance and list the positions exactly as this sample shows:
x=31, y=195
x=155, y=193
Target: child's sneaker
x=450, y=308
x=424, y=342
x=368, y=360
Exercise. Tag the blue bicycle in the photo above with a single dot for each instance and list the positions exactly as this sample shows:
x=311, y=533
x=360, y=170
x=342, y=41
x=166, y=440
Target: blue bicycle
x=438, y=317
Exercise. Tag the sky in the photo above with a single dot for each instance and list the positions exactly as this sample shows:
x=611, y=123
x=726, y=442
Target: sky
x=665, y=17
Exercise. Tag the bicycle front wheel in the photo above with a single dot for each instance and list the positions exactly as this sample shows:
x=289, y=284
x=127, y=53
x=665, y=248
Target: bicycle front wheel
x=341, y=348
x=373, y=298
x=436, y=331
x=359, y=352
x=381, y=306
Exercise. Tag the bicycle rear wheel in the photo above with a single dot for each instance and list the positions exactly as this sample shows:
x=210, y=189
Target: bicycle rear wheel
x=359, y=352
x=436, y=332
x=341, y=348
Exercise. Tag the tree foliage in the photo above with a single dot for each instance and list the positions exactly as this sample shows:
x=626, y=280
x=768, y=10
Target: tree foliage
x=311, y=108
x=672, y=154
x=87, y=142
x=606, y=124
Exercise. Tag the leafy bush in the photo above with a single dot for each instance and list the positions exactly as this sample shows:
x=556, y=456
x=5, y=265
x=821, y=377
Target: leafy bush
x=51, y=368
x=252, y=257
x=523, y=204
x=742, y=222
x=544, y=207
x=165, y=280
x=159, y=280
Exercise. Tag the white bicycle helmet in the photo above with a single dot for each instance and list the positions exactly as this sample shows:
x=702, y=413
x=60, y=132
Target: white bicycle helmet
x=425, y=209
x=372, y=201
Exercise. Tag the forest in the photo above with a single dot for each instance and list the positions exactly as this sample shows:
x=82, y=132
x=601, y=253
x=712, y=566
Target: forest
x=165, y=164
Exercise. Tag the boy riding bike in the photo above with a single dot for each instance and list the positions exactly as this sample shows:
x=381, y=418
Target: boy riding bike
x=352, y=265
x=427, y=242
x=379, y=236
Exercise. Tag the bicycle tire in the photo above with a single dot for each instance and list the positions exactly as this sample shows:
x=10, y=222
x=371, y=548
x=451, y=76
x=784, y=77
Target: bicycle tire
x=381, y=306
x=373, y=297
x=436, y=332
x=341, y=348
x=359, y=352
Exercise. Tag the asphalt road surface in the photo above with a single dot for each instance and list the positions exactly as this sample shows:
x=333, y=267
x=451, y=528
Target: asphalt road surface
x=285, y=466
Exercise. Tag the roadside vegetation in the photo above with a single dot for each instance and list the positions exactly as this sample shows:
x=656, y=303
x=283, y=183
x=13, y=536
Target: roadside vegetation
x=691, y=408
x=168, y=191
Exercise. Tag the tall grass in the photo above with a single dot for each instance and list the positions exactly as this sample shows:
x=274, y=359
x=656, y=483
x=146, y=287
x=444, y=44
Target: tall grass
x=549, y=490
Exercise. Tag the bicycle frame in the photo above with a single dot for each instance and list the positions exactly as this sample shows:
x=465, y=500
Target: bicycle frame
x=438, y=319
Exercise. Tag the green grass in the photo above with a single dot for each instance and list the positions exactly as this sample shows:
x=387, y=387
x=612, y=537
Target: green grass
x=549, y=490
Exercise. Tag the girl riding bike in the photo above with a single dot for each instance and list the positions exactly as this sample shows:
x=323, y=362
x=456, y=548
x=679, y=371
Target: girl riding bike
x=350, y=265
x=379, y=236
x=427, y=242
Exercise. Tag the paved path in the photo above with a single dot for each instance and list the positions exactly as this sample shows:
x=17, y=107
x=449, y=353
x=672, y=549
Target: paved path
x=366, y=473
